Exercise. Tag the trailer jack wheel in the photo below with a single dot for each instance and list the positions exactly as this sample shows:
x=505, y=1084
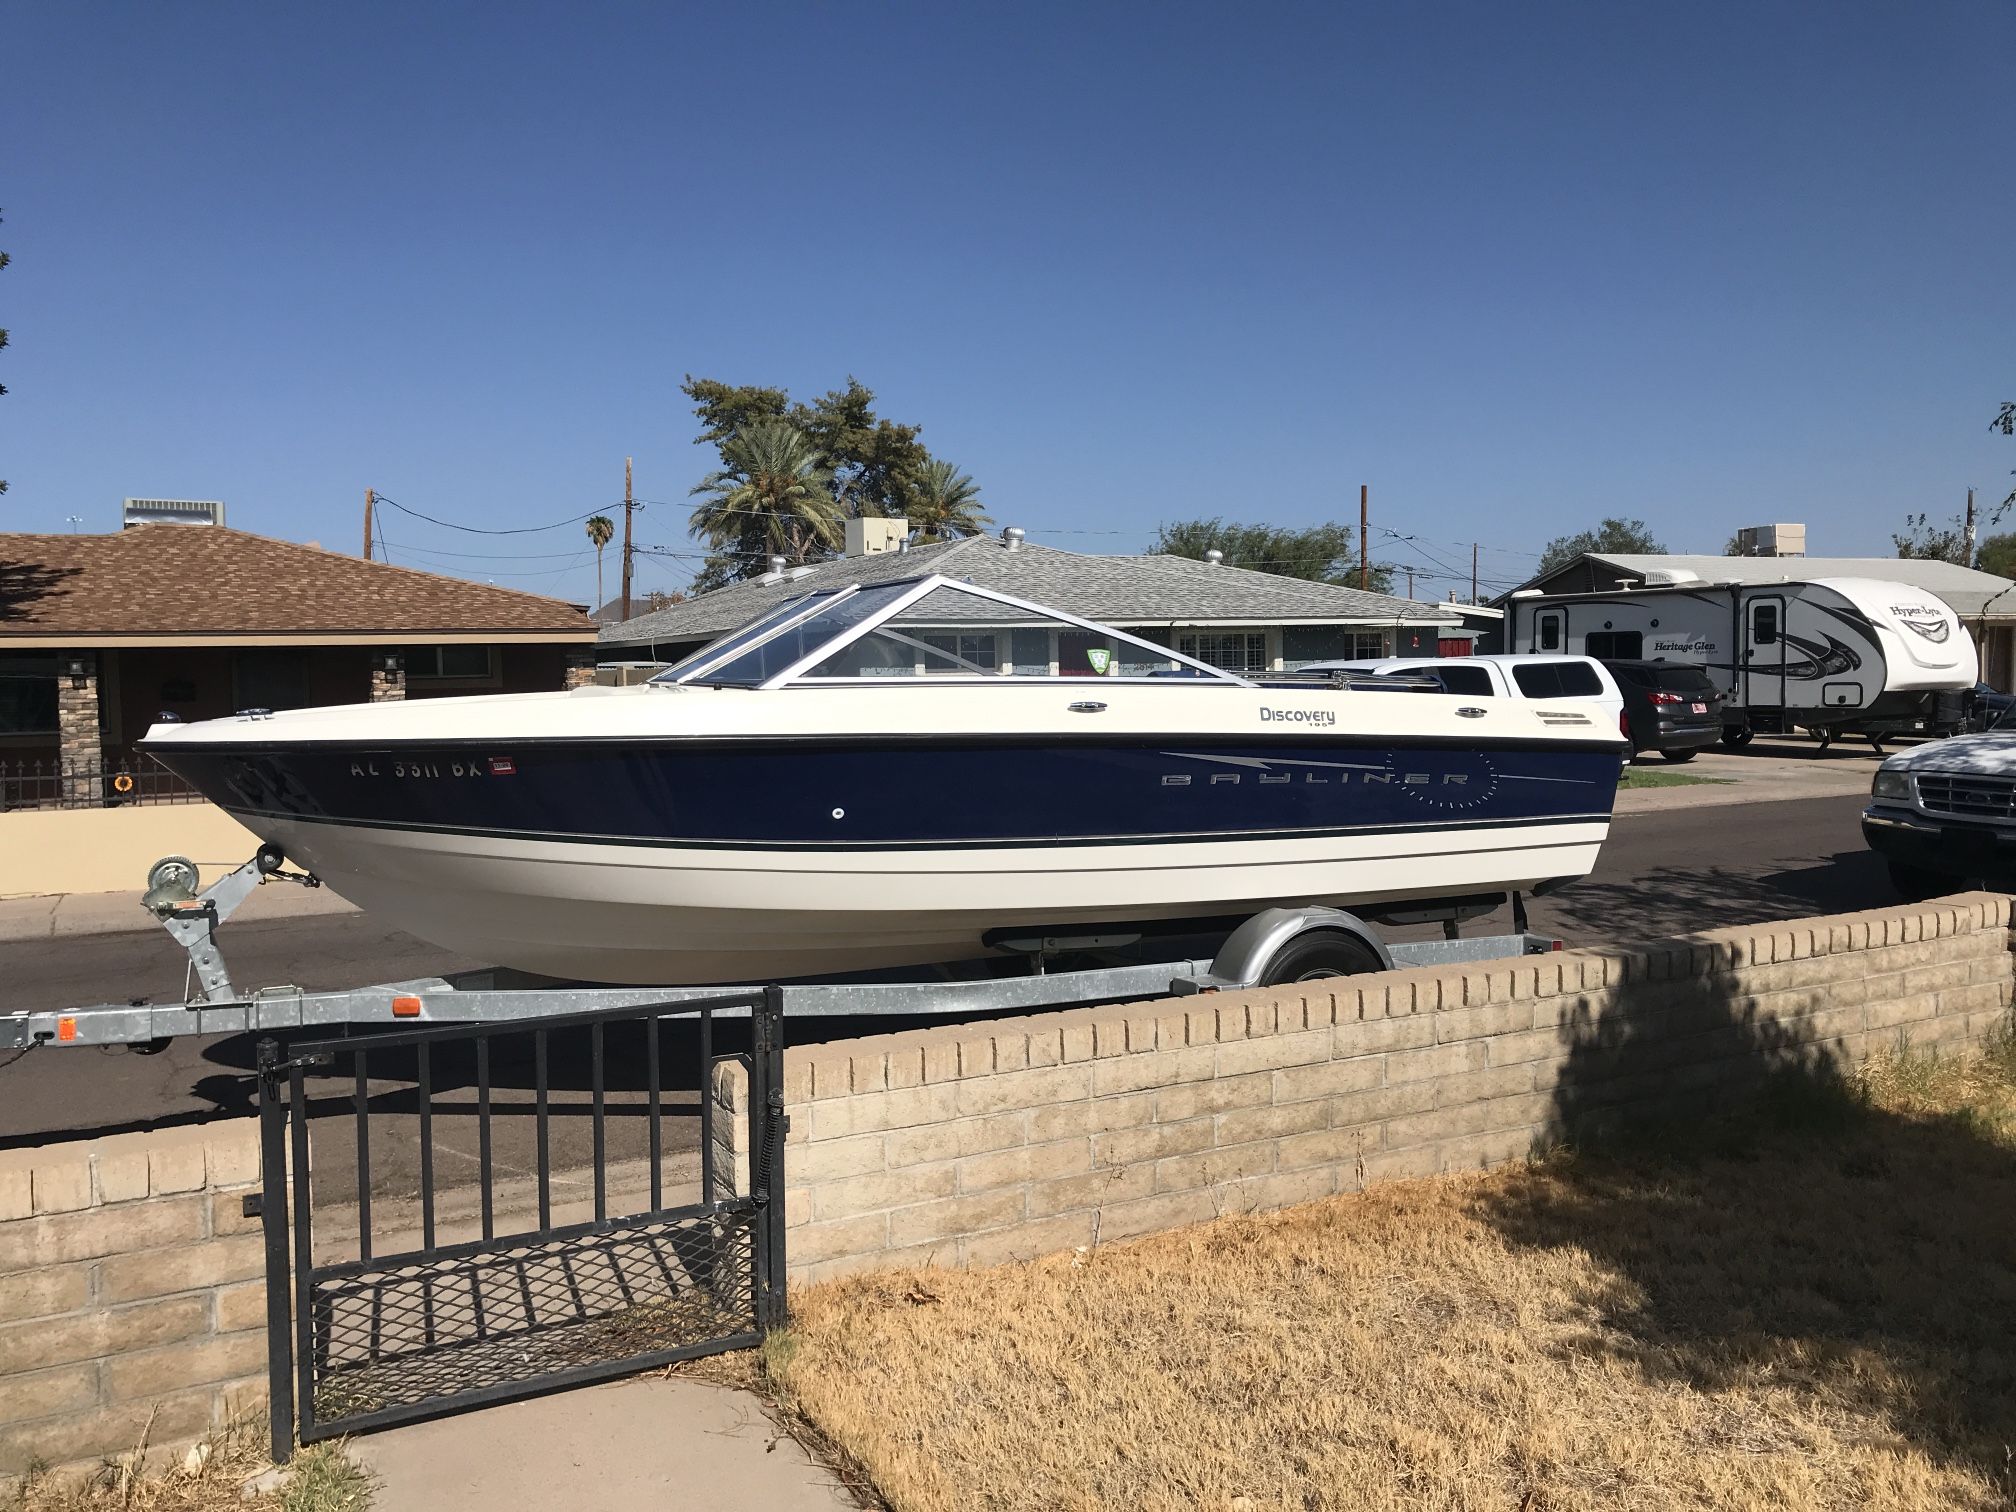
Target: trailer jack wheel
x=1740, y=736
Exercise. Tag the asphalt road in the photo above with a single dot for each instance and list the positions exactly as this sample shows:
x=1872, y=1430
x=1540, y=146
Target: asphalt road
x=1662, y=872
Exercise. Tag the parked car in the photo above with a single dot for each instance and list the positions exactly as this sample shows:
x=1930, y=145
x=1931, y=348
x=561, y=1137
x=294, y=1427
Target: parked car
x=1529, y=676
x=1943, y=814
x=1669, y=707
x=1988, y=707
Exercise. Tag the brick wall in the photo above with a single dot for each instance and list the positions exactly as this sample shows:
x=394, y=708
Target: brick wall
x=968, y=1145
x=130, y=1284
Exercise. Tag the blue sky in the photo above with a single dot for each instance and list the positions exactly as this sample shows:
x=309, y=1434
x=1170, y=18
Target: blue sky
x=1514, y=266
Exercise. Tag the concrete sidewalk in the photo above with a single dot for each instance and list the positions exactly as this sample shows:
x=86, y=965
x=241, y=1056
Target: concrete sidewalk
x=649, y=1444
x=61, y=915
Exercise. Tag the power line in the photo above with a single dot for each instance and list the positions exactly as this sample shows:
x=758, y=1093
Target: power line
x=478, y=530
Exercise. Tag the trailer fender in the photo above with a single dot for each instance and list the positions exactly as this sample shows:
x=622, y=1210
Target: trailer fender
x=1247, y=952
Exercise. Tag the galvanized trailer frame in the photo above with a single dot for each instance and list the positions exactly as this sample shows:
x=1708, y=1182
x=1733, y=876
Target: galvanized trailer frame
x=214, y=1005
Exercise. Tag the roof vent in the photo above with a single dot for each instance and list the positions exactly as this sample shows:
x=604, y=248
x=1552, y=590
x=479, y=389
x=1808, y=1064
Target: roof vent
x=171, y=512
x=773, y=570
x=1014, y=536
x=1214, y=557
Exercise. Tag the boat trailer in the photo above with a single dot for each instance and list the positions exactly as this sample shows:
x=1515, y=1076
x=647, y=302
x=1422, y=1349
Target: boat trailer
x=213, y=1005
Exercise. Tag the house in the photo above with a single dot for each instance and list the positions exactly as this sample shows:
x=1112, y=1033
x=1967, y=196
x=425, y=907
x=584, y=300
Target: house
x=1230, y=617
x=1985, y=603
x=101, y=634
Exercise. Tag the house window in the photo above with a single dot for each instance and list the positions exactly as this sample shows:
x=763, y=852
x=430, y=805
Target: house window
x=1367, y=645
x=977, y=650
x=28, y=694
x=1228, y=653
x=456, y=663
x=1615, y=645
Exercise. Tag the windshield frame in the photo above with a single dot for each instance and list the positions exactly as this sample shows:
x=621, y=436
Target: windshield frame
x=739, y=642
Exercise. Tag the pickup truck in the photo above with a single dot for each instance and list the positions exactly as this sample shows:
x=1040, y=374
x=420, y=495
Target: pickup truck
x=1944, y=814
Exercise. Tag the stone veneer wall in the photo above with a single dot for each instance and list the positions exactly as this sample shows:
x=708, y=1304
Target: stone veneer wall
x=973, y=1144
x=80, y=739
x=131, y=1292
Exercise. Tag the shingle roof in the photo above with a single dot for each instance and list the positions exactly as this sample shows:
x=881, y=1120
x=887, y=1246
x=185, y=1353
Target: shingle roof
x=1962, y=589
x=1122, y=590
x=180, y=580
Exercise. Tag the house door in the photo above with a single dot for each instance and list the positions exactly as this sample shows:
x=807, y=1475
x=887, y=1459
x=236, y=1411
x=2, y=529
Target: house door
x=1764, y=652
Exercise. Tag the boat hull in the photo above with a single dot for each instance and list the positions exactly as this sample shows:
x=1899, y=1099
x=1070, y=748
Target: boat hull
x=696, y=862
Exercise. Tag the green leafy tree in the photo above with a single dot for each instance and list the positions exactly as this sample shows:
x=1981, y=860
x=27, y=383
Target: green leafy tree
x=872, y=466
x=1998, y=555
x=1734, y=546
x=1612, y=536
x=601, y=531
x=878, y=466
x=947, y=505
x=774, y=497
x=1921, y=540
x=1321, y=553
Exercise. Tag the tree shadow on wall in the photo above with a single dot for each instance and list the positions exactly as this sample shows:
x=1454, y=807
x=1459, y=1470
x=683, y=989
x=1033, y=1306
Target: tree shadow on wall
x=1757, y=1222
x=25, y=584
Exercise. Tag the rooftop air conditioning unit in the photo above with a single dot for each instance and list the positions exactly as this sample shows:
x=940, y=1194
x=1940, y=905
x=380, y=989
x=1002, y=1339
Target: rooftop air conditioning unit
x=1772, y=540
x=1670, y=577
x=872, y=537
x=172, y=512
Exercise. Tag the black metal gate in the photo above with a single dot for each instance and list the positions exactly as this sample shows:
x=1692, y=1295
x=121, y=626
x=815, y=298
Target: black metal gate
x=432, y=1308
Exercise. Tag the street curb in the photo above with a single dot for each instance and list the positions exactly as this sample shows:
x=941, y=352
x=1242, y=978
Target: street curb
x=58, y=916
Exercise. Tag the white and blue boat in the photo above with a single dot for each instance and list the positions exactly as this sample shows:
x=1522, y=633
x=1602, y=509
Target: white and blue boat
x=889, y=776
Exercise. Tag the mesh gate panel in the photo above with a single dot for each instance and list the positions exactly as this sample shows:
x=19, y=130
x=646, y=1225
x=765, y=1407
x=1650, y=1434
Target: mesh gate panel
x=410, y=1332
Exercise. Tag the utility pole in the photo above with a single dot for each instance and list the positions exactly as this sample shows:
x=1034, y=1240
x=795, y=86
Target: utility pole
x=629, y=508
x=1410, y=582
x=1473, y=572
x=1970, y=527
x=1364, y=536
x=370, y=501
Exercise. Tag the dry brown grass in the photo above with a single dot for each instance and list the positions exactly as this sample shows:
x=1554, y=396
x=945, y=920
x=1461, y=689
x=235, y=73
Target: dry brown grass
x=1814, y=1308
x=207, y=1478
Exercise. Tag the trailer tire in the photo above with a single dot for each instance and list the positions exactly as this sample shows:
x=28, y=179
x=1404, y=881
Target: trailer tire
x=1314, y=956
x=1738, y=737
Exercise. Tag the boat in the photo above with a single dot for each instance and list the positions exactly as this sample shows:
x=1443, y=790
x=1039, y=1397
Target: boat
x=894, y=776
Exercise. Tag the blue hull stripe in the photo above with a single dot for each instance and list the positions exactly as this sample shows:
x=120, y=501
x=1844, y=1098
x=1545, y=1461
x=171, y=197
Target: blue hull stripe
x=814, y=795
x=1046, y=842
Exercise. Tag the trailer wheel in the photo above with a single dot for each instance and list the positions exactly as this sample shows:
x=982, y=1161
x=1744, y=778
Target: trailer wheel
x=1738, y=736
x=1312, y=957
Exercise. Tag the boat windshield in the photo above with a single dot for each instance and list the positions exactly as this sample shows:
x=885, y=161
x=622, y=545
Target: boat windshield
x=928, y=628
x=724, y=646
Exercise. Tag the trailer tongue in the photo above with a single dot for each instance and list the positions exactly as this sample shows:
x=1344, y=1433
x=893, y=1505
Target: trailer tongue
x=1274, y=946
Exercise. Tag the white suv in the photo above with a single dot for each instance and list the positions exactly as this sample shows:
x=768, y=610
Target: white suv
x=1531, y=676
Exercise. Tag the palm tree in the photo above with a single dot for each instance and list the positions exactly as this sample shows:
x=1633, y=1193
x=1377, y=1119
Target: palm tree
x=774, y=497
x=947, y=504
x=601, y=530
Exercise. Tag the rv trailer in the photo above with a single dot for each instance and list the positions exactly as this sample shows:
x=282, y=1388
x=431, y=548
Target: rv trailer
x=1832, y=656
